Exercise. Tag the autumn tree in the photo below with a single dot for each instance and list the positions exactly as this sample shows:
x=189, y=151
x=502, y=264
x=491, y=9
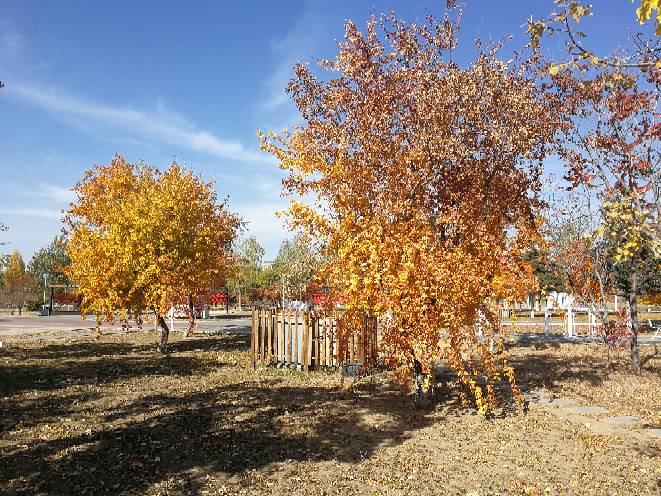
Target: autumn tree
x=50, y=260
x=564, y=23
x=420, y=178
x=610, y=141
x=295, y=267
x=3, y=258
x=139, y=239
x=19, y=286
x=649, y=276
x=247, y=273
x=546, y=269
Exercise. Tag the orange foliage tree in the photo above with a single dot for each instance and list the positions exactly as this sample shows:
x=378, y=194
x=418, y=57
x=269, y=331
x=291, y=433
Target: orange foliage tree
x=420, y=178
x=144, y=239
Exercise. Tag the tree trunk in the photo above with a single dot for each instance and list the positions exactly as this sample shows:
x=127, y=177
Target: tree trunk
x=191, y=316
x=165, y=333
x=633, y=314
x=422, y=396
x=240, y=309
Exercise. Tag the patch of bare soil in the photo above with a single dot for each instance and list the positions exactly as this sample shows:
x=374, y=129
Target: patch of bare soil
x=111, y=416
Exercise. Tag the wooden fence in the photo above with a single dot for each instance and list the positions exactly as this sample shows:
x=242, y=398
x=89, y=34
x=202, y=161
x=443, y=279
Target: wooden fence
x=306, y=339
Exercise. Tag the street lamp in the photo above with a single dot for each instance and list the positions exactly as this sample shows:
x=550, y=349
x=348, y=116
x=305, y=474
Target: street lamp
x=45, y=278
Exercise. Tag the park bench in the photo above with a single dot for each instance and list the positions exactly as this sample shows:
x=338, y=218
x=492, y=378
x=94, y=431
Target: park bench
x=655, y=325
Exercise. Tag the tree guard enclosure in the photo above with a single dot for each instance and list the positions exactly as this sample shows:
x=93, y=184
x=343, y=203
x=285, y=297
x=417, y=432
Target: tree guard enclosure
x=308, y=339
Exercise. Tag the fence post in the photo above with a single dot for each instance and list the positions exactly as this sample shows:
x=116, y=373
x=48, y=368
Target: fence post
x=280, y=319
x=295, y=343
x=288, y=338
x=264, y=336
x=269, y=331
x=336, y=342
x=324, y=342
x=304, y=341
x=352, y=345
x=316, y=341
x=328, y=326
x=253, y=339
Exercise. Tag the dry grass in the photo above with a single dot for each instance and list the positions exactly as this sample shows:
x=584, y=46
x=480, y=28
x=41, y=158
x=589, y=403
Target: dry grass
x=113, y=417
x=593, y=375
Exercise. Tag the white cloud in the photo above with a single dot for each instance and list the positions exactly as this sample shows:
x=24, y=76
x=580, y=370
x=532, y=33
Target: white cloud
x=263, y=224
x=299, y=44
x=50, y=193
x=161, y=126
x=32, y=212
x=57, y=193
x=11, y=41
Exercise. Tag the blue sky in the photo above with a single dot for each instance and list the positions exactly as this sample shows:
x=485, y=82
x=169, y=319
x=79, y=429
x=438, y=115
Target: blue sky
x=158, y=80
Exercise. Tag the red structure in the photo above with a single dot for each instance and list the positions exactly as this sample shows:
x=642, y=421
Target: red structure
x=325, y=299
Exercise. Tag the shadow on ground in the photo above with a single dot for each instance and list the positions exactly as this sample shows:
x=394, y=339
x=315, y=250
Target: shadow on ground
x=59, y=366
x=245, y=424
x=542, y=367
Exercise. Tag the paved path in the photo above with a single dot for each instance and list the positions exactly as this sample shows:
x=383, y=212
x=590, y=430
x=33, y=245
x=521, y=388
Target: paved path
x=15, y=325
x=12, y=326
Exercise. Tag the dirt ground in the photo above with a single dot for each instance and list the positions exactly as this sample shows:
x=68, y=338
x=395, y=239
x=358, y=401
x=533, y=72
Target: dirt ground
x=111, y=416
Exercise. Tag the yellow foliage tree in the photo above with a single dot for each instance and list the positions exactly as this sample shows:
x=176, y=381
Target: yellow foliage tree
x=642, y=54
x=144, y=239
x=420, y=178
x=19, y=286
x=650, y=9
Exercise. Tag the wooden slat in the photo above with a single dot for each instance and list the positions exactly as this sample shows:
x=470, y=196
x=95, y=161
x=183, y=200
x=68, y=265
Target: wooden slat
x=253, y=339
x=281, y=336
x=310, y=337
x=362, y=345
x=352, y=341
x=340, y=349
x=258, y=347
x=320, y=325
x=274, y=336
x=317, y=341
x=372, y=338
x=295, y=344
x=258, y=336
x=325, y=342
x=264, y=336
x=305, y=341
x=329, y=343
x=288, y=338
x=334, y=343
x=269, y=330
x=322, y=342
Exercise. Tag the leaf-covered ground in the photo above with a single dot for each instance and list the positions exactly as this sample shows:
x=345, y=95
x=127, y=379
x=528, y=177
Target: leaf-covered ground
x=113, y=417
